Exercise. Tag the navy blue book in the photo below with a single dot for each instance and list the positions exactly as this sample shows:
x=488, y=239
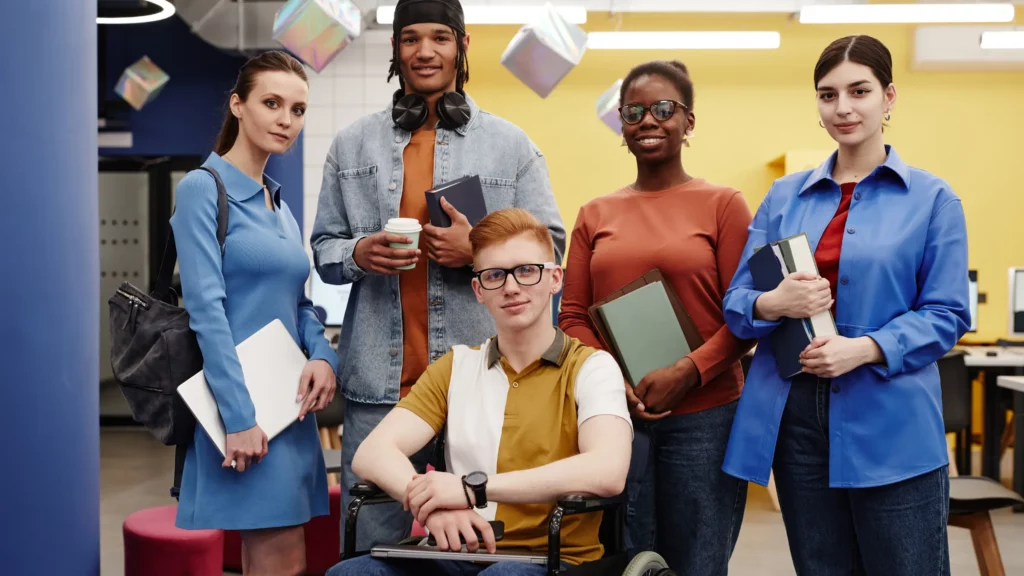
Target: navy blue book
x=791, y=337
x=465, y=194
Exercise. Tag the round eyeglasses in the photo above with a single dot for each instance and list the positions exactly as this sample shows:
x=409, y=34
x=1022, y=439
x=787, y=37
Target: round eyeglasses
x=661, y=110
x=525, y=275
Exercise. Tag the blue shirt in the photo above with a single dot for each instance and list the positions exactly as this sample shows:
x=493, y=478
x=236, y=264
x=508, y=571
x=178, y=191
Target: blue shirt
x=902, y=283
x=261, y=277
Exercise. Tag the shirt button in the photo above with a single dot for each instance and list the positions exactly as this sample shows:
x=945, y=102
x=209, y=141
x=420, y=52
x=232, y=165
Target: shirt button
x=844, y=280
x=515, y=384
x=392, y=186
x=851, y=230
x=398, y=138
x=856, y=196
x=835, y=388
x=394, y=352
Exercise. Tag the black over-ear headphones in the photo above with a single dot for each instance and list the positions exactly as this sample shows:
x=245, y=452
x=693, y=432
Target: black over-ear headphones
x=410, y=110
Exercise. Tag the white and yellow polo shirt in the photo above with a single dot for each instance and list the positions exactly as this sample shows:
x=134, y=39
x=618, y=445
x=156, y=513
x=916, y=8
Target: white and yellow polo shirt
x=502, y=421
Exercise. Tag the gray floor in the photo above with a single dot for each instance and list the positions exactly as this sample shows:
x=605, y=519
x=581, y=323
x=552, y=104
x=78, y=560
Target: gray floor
x=136, y=471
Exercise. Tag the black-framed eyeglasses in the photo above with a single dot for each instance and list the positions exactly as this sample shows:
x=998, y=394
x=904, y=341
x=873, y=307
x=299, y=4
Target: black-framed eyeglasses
x=525, y=275
x=661, y=110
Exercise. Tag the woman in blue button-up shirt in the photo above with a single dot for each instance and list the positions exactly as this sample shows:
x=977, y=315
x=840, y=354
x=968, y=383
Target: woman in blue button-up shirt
x=266, y=491
x=857, y=441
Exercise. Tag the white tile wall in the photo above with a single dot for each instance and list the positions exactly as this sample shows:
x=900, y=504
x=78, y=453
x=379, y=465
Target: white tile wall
x=352, y=85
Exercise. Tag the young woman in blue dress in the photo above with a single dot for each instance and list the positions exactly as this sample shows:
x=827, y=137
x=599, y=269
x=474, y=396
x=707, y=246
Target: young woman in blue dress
x=265, y=491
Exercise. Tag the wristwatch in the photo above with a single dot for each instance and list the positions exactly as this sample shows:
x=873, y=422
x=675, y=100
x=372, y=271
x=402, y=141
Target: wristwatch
x=477, y=482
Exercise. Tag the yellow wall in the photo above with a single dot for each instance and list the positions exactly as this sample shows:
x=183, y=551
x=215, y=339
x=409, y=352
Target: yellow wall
x=754, y=106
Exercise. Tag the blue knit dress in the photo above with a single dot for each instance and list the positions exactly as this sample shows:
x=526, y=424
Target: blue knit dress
x=261, y=277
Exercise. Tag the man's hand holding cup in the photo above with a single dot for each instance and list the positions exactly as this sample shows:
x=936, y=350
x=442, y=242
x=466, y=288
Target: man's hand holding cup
x=392, y=250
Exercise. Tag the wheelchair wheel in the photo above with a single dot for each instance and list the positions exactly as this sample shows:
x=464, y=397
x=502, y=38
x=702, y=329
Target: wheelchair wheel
x=648, y=564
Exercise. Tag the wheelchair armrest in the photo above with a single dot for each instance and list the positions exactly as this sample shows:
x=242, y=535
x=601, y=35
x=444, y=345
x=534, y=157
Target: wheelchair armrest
x=366, y=490
x=583, y=503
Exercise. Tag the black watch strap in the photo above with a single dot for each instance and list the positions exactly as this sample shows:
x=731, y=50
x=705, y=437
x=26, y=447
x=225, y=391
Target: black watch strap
x=479, y=492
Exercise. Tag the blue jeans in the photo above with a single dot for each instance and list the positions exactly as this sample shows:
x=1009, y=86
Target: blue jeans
x=681, y=504
x=368, y=566
x=893, y=530
x=379, y=523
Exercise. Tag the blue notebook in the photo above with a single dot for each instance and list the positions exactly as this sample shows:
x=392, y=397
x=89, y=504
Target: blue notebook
x=790, y=338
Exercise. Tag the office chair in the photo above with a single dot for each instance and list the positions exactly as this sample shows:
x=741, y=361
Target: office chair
x=971, y=498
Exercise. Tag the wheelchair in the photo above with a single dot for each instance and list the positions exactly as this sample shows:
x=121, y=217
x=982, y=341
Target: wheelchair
x=614, y=563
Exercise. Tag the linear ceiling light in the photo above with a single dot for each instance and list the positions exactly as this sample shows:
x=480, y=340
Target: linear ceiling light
x=499, y=14
x=905, y=13
x=683, y=40
x=1002, y=40
x=166, y=11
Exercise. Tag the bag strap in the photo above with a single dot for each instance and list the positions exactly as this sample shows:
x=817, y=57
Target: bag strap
x=180, y=450
x=163, y=286
x=170, y=257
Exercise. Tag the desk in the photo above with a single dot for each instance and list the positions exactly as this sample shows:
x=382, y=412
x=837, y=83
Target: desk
x=1016, y=383
x=1005, y=360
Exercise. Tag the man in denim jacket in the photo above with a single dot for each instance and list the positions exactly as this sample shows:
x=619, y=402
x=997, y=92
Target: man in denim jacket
x=399, y=321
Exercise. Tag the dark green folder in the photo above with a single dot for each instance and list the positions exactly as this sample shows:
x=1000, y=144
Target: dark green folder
x=642, y=328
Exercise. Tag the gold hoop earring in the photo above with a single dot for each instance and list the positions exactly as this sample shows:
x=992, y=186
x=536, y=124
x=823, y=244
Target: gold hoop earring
x=820, y=123
x=888, y=116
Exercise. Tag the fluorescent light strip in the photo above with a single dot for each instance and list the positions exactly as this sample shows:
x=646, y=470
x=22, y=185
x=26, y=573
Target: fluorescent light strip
x=905, y=13
x=499, y=14
x=683, y=40
x=1002, y=40
x=166, y=11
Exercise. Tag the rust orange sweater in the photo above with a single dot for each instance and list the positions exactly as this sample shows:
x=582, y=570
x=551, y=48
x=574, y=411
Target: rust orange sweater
x=694, y=233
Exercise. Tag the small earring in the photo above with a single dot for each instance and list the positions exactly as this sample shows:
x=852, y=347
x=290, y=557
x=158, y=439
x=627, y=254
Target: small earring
x=687, y=136
x=888, y=116
x=820, y=123
x=623, y=141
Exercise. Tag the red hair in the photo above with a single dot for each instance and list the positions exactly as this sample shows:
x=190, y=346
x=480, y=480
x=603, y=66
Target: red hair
x=503, y=225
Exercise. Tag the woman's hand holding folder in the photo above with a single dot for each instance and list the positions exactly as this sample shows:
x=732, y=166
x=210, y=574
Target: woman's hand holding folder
x=833, y=356
x=799, y=295
x=659, y=392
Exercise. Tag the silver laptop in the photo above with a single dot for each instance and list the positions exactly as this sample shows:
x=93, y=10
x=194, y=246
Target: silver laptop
x=431, y=552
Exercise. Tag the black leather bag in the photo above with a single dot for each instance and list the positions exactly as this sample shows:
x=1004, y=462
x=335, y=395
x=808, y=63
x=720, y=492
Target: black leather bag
x=153, y=350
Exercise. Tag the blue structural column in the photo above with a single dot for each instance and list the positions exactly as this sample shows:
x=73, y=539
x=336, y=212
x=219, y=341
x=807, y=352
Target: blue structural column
x=49, y=289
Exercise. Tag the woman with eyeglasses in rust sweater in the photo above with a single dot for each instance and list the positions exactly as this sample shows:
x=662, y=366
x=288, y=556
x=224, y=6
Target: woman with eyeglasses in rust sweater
x=694, y=232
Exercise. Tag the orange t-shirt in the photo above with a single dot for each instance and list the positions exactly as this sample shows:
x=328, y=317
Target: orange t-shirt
x=418, y=160
x=695, y=234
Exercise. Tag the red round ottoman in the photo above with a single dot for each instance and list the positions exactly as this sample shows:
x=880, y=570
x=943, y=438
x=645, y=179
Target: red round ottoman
x=153, y=546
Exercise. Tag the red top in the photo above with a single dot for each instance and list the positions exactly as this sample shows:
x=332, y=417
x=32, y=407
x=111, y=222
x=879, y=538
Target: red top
x=694, y=233
x=831, y=243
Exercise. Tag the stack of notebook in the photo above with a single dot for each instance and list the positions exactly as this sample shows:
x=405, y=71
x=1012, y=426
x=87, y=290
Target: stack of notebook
x=769, y=265
x=645, y=326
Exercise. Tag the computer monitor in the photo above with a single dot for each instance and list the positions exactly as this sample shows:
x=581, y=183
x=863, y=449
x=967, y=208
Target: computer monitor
x=333, y=300
x=1016, y=299
x=972, y=292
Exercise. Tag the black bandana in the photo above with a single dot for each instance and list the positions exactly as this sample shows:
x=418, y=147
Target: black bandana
x=446, y=12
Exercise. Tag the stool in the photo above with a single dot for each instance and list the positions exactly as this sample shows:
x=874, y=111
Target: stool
x=153, y=546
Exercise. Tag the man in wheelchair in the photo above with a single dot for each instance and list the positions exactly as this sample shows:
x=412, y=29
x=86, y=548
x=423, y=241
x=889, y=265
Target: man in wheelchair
x=528, y=416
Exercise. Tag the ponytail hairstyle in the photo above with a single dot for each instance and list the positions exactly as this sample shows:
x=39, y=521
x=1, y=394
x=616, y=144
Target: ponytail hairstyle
x=272, y=61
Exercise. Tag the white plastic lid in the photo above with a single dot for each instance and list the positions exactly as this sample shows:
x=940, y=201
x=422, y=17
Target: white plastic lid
x=400, y=225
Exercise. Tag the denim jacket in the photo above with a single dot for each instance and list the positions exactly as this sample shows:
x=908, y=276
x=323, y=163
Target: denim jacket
x=362, y=189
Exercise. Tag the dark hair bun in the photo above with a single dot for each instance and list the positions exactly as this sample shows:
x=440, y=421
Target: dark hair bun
x=680, y=66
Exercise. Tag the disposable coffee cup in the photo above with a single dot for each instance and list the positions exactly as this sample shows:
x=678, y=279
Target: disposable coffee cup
x=408, y=227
